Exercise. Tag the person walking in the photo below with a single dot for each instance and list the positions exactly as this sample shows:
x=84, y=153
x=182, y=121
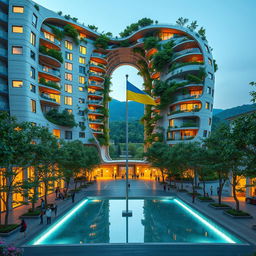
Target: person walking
x=42, y=204
x=41, y=217
x=164, y=187
x=211, y=190
x=23, y=227
x=48, y=215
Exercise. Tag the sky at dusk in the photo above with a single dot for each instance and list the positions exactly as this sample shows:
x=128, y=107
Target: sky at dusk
x=230, y=31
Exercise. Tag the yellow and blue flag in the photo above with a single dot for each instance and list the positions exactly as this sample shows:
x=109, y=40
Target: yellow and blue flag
x=135, y=94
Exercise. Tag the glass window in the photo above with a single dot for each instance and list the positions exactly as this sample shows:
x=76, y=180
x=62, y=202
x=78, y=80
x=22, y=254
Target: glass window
x=82, y=69
x=82, y=49
x=33, y=106
x=68, y=76
x=17, y=29
x=81, y=113
x=81, y=60
x=210, y=61
x=81, y=134
x=207, y=105
x=34, y=20
x=49, y=36
x=17, y=50
x=32, y=55
x=210, y=75
x=70, y=111
x=205, y=133
x=68, y=88
x=68, y=100
x=56, y=133
x=17, y=83
x=81, y=79
x=212, y=92
x=32, y=73
x=33, y=38
x=18, y=9
x=68, y=135
x=81, y=100
x=209, y=90
x=81, y=124
x=32, y=88
x=68, y=45
x=209, y=121
x=68, y=55
x=81, y=89
x=68, y=66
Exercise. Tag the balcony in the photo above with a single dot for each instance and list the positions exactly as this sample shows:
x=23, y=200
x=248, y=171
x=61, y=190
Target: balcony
x=95, y=112
x=151, y=52
x=52, y=99
x=50, y=40
x=176, y=112
x=99, y=58
x=95, y=94
x=3, y=72
x=96, y=76
x=3, y=53
x=95, y=102
x=3, y=17
x=185, y=126
x=98, y=131
x=96, y=121
x=49, y=86
x=51, y=57
x=3, y=35
x=49, y=73
x=186, y=96
x=97, y=67
x=179, y=139
x=186, y=52
x=96, y=85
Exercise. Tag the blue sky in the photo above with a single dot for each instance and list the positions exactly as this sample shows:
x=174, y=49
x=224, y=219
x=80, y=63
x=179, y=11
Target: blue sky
x=230, y=30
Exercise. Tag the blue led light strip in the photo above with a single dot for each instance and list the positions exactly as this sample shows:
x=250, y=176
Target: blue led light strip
x=205, y=222
x=57, y=225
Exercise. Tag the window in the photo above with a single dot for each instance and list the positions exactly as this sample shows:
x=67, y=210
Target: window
x=81, y=60
x=68, y=76
x=82, y=69
x=32, y=88
x=205, y=133
x=68, y=66
x=81, y=89
x=68, y=45
x=18, y=9
x=32, y=55
x=17, y=83
x=70, y=111
x=34, y=20
x=34, y=124
x=212, y=92
x=81, y=134
x=68, y=135
x=17, y=29
x=82, y=49
x=68, y=88
x=209, y=90
x=81, y=113
x=207, y=105
x=209, y=121
x=68, y=100
x=211, y=107
x=210, y=75
x=33, y=38
x=68, y=55
x=56, y=133
x=81, y=100
x=207, y=48
x=33, y=106
x=17, y=50
x=32, y=73
x=81, y=124
x=210, y=61
x=81, y=79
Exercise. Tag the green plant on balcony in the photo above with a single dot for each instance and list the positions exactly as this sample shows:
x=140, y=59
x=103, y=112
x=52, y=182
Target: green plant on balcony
x=83, y=40
x=175, y=112
x=93, y=27
x=72, y=32
x=102, y=41
x=49, y=83
x=67, y=16
x=151, y=42
x=189, y=124
x=51, y=52
x=182, y=64
x=83, y=127
x=201, y=32
x=199, y=78
x=189, y=138
x=36, y=7
x=59, y=34
x=63, y=118
x=215, y=66
x=124, y=43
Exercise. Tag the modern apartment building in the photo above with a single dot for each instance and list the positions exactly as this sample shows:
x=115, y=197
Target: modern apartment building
x=51, y=63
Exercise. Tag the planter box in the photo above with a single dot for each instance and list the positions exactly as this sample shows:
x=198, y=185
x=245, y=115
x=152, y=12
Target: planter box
x=220, y=208
x=238, y=217
x=29, y=217
x=10, y=233
x=205, y=201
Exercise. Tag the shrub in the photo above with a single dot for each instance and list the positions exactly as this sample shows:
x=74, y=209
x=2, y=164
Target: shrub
x=49, y=83
x=102, y=41
x=237, y=213
x=205, y=198
x=151, y=42
x=219, y=205
x=32, y=213
x=72, y=32
x=51, y=52
x=63, y=119
x=8, y=228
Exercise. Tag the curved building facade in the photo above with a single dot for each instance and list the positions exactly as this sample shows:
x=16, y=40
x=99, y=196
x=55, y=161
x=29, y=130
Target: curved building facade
x=54, y=72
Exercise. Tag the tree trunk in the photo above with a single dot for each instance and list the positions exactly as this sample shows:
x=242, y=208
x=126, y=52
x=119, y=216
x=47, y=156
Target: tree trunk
x=7, y=206
x=234, y=192
x=193, y=190
x=219, y=194
x=33, y=199
x=67, y=187
x=45, y=193
x=162, y=172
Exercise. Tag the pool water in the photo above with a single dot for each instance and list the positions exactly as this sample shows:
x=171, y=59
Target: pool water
x=153, y=221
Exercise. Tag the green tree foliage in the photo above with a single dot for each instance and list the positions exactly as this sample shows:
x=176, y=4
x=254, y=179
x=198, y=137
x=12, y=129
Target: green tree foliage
x=93, y=27
x=102, y=41
x=201, y=32
x=193, y=25
x=182, y=21
x=72, y=32
x=51, y=52
x=253, y=93
x=151, y=42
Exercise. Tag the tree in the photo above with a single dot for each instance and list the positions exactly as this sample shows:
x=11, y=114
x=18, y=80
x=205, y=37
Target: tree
x=102, y=41
x=193, y=25
x=93, y=27
x=253, y=93
x=201, y=32
x=182, y=21
x=151, y=42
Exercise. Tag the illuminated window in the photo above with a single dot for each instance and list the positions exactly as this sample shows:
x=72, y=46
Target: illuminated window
x=68, y=66
x=68, y=100
x=32, y=88
x=49, y=36
x=68, y=55
x=81, y=79
x=68, y=88
x=68, y=135
x=81, y=89
x=68, y=76
x=171, y=123
x=82, y=49
x=18, y=9
x=165, y=35
x=70, y=111
x=81, y=60
x=32, y=38
x=32, y=73
x=68, y=45
x=207, y=105
x=17, y=29
x=34, y=20
x=17, y=83
x=56, y=133
x=81, y=134
x=33, y=106
x=17, y=50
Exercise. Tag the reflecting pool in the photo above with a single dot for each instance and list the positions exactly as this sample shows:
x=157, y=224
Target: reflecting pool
x=153, y=221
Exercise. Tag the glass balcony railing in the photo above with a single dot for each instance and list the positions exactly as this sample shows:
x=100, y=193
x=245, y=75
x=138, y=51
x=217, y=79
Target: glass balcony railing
x=96, y=74
x=51, y=71
x=50, y=38
x=96, y=54
x=187, y=96
x=96, y=102
x=95, y=94
x=95, y=111
x=187, y=51
x=96, y=121
x=50, y=97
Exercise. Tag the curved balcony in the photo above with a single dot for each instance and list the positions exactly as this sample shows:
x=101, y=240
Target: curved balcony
x=181, y=139
x=186, y=44
x=96, y=112
x=96, y=76
x=96, y=85
x=184, y=126
x=49, y=89
x=48, y=42
x=97, y=68
x=97, y=131
x=97, y=95
x=49, y=73
x=155, y=75
x=99, y=58
x=181, y=98
x=96, y=121
x=46, y=98
x=187, y=52
x=97, y=103
x=184, y=113
x=47, y=59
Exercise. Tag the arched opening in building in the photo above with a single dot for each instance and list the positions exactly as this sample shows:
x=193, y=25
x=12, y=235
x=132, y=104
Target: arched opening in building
x=117, y=109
